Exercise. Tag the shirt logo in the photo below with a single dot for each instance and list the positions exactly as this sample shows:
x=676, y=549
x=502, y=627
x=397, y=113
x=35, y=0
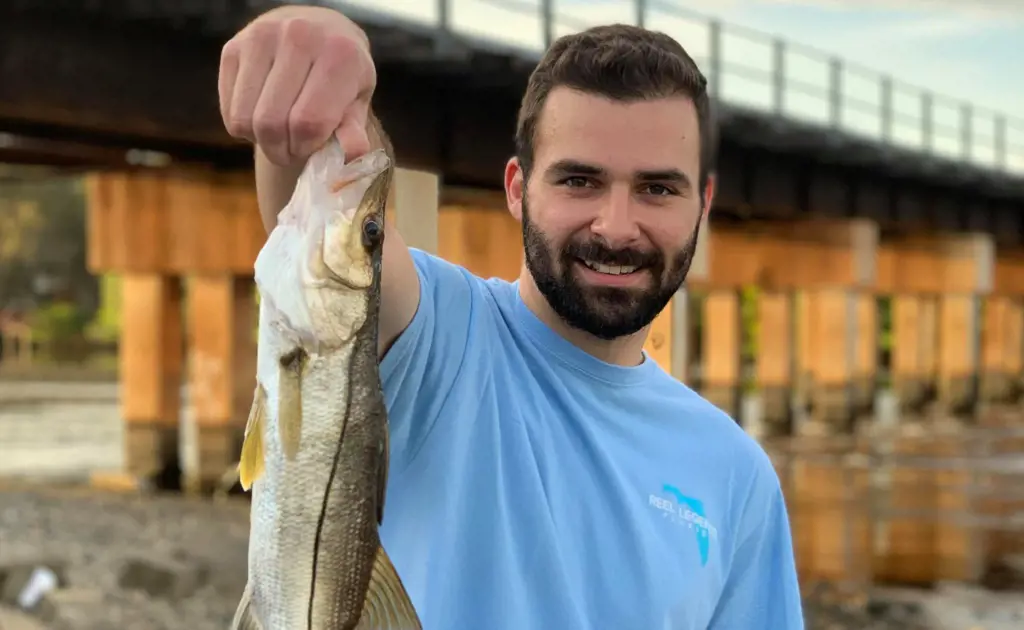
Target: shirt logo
x=683, y=510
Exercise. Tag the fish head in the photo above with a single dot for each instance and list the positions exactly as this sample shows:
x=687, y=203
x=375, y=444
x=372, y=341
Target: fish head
x=354, y=233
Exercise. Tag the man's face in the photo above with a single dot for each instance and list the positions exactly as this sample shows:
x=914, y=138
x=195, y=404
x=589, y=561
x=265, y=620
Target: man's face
x=611, y=209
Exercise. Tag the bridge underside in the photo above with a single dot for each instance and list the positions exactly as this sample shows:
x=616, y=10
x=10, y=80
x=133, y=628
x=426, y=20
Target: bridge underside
x=145, y=78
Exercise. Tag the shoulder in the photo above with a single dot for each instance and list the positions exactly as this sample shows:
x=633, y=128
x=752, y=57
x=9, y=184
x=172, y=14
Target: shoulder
x=745, y=463
x=441, y=275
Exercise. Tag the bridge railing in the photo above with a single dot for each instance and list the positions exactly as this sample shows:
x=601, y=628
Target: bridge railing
x=751, y=68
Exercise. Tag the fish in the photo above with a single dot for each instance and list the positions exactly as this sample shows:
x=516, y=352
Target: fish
x=315, y=449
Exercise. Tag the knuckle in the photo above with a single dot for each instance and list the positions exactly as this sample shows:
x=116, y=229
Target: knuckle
x=340, y=47
x=239, y=125
x=229, y=51
x=297, y=32
x=259, y=33
x=269, y=127
x=305, y=126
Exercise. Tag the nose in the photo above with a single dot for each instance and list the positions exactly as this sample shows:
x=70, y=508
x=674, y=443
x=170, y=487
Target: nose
x=614, y=222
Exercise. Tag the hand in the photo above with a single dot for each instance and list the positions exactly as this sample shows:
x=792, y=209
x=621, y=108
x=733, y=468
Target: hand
x=294, y=76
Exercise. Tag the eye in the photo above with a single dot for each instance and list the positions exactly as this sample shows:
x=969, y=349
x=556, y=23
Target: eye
x=576, y=181
x=373, y=234
x=659, y=190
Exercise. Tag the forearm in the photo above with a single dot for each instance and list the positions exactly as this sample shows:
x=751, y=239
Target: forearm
x=274, y=188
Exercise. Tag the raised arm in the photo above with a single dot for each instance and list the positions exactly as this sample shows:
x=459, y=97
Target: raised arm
x=288, y=81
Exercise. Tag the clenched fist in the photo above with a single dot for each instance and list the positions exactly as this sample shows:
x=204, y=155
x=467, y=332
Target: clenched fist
x=294, y=76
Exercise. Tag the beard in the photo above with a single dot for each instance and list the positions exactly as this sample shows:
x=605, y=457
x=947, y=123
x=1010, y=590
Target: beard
x=604, y=312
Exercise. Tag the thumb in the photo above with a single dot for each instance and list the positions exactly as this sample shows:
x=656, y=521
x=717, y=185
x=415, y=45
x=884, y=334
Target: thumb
x=352, y=135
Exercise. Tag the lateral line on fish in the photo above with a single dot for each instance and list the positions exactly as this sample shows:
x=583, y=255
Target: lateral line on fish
x=327, y=494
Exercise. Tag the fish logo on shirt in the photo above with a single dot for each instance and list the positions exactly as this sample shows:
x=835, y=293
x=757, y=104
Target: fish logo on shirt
x=687, y=511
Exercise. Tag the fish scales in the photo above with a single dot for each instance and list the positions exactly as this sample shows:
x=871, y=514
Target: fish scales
x=316, y=445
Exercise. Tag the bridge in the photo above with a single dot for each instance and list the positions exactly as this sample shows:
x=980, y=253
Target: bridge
x=851, y=204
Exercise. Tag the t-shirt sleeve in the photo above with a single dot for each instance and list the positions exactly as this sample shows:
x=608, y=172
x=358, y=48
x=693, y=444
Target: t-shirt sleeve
x=422, y=365
x=762, y=590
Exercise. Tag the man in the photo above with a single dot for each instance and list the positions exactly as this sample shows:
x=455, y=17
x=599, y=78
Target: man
x=545, y=473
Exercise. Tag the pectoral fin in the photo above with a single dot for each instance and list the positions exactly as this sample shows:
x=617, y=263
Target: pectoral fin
x=387, y=605
x=289, y=406
x=245, y=617
x=250, y=465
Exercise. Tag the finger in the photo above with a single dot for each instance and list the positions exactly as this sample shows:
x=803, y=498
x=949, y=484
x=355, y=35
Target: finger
x=338, y=79
x=352, y=134
x=284, y=83
x=226, y=77
x=254, y=64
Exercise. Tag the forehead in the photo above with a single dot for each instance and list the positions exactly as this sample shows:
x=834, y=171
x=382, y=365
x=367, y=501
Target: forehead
x=620, y=136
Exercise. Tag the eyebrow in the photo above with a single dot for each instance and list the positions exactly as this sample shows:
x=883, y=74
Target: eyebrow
x=573, y=167
x=569, y=167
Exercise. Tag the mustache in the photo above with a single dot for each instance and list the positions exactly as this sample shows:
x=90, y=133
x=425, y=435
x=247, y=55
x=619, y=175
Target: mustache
x=598, y=252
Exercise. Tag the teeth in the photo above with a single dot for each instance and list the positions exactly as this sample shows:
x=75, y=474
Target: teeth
x=614, y=270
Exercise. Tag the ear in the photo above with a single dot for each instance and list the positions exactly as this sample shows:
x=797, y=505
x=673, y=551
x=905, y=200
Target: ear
x=514, y=188
x=709, y=193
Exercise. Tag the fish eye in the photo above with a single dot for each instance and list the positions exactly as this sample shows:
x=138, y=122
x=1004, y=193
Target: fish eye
x=372, y=233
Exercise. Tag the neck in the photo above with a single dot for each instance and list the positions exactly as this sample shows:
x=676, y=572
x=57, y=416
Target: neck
x=625, y=351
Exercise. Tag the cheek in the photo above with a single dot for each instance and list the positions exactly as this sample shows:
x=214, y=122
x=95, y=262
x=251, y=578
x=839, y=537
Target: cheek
x=560, y=216
x=670, y=230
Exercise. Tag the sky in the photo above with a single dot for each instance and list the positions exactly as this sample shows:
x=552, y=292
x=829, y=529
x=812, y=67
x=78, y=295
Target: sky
x=962, y=50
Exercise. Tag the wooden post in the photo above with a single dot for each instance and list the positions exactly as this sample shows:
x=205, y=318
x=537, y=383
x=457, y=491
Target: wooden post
x=956, y=270
x=486, y=241
x=865, y=364
x=126, y=233
x=834, y=320
x=151, y=375
x=775, y=358
x=668, y=339
x=1002, y=355
x=828, y=263
x=415, y=196
x=720, y=381
x=222, y=371
x=908, y=350
x=969, y=275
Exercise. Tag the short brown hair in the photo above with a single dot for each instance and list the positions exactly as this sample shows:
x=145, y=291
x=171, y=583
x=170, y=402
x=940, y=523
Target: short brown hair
x=620, y=62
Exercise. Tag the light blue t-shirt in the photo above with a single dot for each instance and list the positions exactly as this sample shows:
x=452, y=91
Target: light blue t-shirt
x=533, y=486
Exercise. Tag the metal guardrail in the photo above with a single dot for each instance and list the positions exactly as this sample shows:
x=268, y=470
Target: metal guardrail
x=754, y=69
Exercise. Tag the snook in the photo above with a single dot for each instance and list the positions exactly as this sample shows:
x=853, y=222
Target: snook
x=316, y=448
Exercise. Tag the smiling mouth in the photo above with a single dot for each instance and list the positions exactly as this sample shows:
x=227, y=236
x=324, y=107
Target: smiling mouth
x=611, y=270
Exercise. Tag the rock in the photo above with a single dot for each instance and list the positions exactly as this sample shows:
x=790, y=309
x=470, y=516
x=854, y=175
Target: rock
x=167, y=578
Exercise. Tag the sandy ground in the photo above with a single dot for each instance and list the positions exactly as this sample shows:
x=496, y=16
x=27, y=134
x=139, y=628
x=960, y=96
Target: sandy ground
x=171, y=562
x=162, y=563
x=126, y=562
